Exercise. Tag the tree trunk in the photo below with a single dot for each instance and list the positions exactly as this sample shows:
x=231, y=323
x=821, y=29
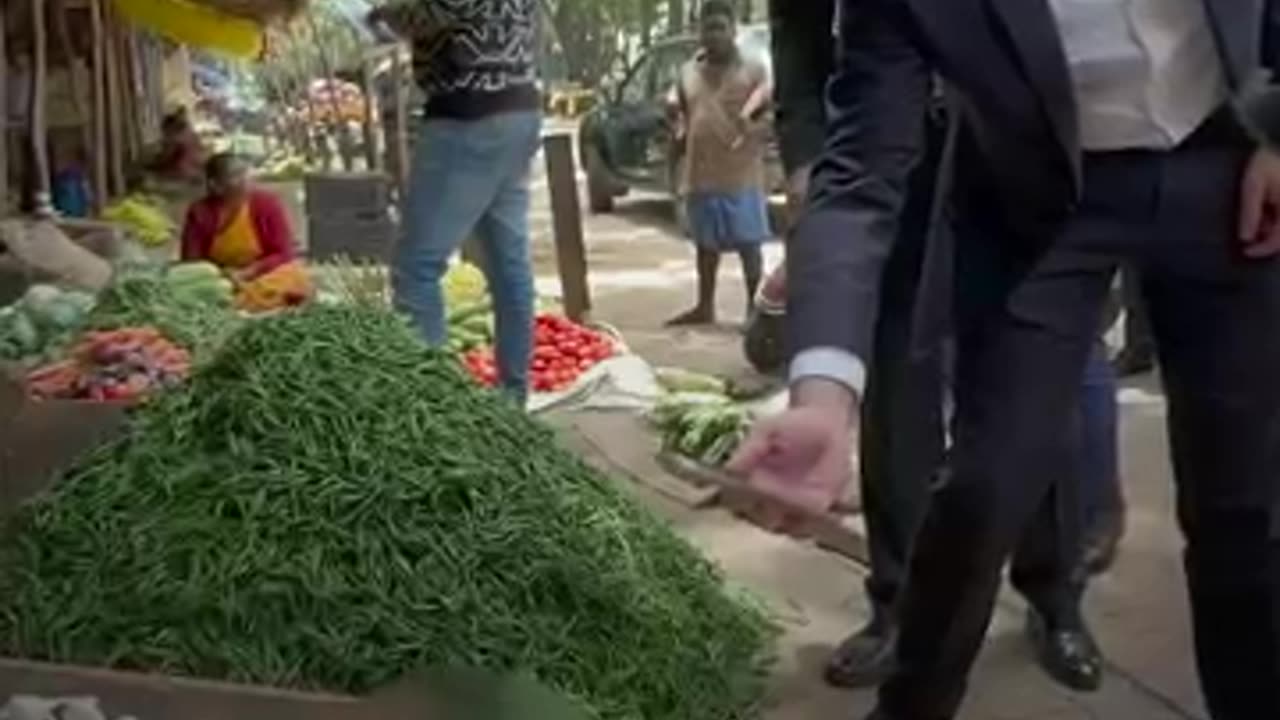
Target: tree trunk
x=39, y=196
x=648, y=16
x=675, y=15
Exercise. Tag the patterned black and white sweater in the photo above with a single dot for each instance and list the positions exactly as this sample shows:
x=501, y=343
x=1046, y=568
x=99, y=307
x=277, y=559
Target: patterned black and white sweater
x=475, y=58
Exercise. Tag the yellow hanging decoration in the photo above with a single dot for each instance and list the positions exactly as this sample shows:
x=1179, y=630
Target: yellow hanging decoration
x=190, y=23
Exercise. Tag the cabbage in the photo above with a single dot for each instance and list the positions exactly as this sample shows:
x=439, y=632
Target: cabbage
x=18, y=334
x=38, y=296
x=54, y=310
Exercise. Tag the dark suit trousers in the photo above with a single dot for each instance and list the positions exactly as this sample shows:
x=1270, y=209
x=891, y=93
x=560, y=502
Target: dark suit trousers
x=1023, y=341
x=903, y=436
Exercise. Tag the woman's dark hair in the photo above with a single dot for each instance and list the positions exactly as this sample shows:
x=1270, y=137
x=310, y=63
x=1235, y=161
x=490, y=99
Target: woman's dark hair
x=721, y=8
x=175, y=121
x=219, y=166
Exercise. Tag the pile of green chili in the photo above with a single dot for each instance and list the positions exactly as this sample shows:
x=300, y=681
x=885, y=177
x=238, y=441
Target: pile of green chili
x=328, y=504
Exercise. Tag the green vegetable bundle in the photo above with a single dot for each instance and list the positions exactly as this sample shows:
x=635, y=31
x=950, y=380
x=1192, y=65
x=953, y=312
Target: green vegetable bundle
x=702, y=427
x=200, y=282
x=199, y=321
x=144, y=217
x=470, y=327
x=329, y=504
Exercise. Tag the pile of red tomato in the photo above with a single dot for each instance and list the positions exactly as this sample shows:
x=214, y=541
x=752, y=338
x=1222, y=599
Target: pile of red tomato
x=562, y=351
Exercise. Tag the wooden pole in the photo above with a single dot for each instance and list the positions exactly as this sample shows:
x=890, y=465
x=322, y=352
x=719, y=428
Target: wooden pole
x=41, y=197
x=338, y=128
x=4, y=115
x=402, y=122
x=128, y=96
x=77, y=90
x=566, y=220
x=115, y=125
x=372, y=155
x=99, y=76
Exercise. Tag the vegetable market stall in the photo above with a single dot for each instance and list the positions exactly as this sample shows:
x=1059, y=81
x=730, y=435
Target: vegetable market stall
x=445, y=527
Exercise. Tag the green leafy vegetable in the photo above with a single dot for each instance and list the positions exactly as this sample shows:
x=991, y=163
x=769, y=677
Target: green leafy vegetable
x=196, y=322
x=706, y=428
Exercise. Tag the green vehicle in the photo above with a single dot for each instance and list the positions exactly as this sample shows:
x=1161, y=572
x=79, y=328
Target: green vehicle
x=626, y=141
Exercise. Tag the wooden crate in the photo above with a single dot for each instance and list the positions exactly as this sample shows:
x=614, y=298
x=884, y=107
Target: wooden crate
x=40, y=439
x=154, y=697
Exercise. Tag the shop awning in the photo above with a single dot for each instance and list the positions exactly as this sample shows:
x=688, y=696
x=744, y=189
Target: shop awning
x=230, y=27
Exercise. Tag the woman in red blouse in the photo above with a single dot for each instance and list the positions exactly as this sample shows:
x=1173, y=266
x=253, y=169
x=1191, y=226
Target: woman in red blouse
x=240, y=228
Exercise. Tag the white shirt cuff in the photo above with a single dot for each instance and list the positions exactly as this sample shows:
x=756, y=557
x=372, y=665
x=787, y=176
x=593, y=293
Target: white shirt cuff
x=832, y=363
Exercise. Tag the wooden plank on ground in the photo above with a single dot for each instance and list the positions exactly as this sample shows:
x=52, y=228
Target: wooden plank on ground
x=842, y=532
x=163, y=698
x=619, y=443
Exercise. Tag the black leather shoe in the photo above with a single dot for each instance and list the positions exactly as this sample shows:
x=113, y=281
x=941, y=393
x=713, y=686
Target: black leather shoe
x=1129, y=362
x=1069, y=655
x=865, y=658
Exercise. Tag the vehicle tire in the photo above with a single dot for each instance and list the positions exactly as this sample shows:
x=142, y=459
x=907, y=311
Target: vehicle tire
x=599, y=189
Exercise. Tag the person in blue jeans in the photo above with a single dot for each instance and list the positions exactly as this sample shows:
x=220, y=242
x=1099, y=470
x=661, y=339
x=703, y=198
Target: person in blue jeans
x=476, y=62
x=1102, y=504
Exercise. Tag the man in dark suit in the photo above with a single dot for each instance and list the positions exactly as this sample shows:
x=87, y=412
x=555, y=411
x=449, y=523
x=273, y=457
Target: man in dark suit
x=901, y=446
x=1096, y=132
x=903, y=436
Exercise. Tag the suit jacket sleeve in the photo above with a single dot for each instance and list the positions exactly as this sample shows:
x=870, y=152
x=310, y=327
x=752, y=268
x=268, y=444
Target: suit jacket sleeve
x=878, y=102
x=803, y=57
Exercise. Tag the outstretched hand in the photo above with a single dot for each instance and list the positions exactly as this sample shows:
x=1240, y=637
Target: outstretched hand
x=797, y=464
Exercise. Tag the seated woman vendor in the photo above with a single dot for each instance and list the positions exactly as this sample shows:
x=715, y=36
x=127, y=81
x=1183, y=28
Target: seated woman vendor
x=242, y=229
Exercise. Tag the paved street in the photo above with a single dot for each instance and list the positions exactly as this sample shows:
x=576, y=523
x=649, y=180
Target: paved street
x=641, y=273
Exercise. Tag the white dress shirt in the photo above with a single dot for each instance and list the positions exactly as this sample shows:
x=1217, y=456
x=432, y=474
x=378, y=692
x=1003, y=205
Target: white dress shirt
x=1146, y=74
